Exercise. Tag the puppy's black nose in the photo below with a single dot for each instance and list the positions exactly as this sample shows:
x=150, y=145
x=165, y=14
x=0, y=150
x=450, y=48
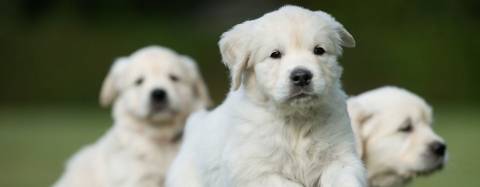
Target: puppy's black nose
x=438, y=148
x=158, y=95
x=301, y=77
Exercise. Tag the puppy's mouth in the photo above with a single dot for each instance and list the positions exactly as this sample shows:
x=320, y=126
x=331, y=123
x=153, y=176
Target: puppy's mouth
x=161, y=113
x=435, y=165
x=301, y=94
x=430, y=170
x=158, y=107
x=162, y=109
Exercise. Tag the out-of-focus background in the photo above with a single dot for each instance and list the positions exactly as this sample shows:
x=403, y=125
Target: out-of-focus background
x=54, y=55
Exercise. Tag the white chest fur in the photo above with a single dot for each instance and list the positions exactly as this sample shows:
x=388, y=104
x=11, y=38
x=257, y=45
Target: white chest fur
x=297, y=149
x=243, y=144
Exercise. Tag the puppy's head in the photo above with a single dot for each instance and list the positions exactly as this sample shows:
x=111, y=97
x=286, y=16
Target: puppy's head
x=154, y=84
x=286, y=56
x=394, y=132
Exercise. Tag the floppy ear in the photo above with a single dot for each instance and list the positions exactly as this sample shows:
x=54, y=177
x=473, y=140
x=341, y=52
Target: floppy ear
x=110, y=88
x=345, y=38
x=359, y=116
x=235, y=53
x=199, y=86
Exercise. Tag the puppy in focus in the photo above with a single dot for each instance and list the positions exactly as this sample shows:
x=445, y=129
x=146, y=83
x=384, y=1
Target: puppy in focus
x=285, y=121
x=152, y=92
x=395, y=137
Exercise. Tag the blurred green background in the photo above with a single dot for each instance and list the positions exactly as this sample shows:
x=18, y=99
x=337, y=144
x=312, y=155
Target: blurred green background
x=54, y=55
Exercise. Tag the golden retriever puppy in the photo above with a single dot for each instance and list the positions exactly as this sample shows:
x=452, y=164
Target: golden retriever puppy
x=285, y=121
x=395, y=138
x=152, y=91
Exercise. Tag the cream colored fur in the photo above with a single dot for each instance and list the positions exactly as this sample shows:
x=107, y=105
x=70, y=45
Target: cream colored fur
x=141, y=144
x=394, y=156
x=266, y=133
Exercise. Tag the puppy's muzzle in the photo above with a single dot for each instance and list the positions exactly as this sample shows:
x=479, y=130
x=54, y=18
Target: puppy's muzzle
x=301, y=77
x=159, y=99
x=437, y=152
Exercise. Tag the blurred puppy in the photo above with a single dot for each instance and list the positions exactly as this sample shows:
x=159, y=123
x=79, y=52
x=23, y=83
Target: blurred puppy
x=285, y=120
x=395, y=136
x=152, y=92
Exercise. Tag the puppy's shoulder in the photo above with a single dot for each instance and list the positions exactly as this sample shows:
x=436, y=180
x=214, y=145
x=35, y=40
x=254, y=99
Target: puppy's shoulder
x=215, y=121
x=195, y=119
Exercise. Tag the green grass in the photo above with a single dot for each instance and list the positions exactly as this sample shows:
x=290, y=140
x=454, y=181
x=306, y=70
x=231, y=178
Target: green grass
x=36, y=141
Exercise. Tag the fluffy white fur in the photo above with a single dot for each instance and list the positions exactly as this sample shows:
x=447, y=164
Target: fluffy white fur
x=142, y=143
x=266, y=132
x=394, y=135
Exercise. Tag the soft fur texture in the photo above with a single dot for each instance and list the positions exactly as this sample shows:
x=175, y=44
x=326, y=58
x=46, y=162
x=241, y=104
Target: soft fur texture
x=394, y=135
x=268, y=132
x=142, y=143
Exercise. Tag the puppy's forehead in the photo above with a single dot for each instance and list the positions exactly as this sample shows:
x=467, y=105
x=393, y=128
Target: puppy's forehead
x=296, y=26
x=401, y=110
x=397, y=101
x=414, y=107
x=298, y=15
x=156, y=61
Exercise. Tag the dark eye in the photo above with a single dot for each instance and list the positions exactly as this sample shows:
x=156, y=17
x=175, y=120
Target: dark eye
x=318, y=50
x=139, y=81
x=406, y=126
x=276, y=54
x=174, y=78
